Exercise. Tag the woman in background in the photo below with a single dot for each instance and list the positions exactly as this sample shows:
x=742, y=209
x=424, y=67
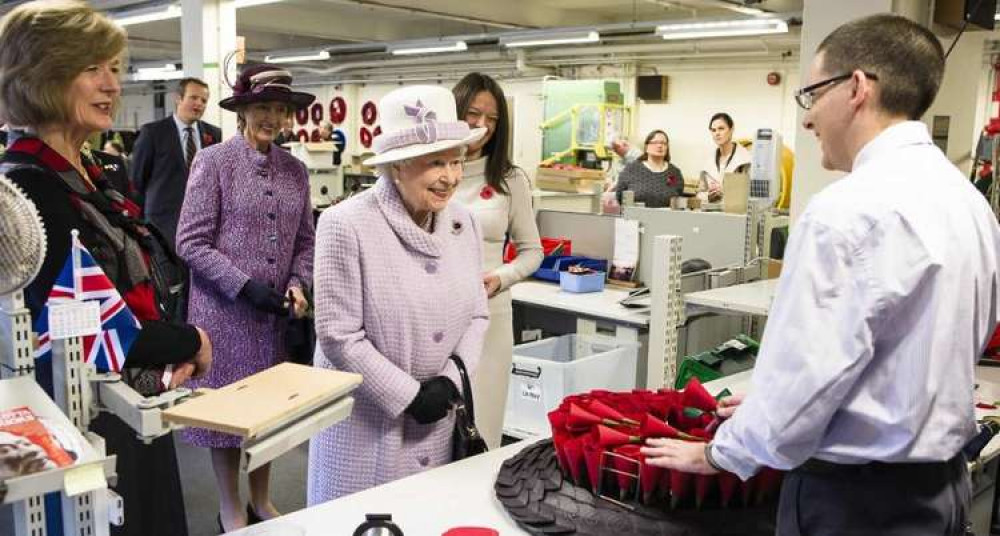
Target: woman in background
x=730, y=157
x=652, y=178
x=246, y=232
x=499, y=196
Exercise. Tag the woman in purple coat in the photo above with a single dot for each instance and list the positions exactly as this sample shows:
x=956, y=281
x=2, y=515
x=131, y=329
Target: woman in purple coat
x=246, y=232
x=397, y=293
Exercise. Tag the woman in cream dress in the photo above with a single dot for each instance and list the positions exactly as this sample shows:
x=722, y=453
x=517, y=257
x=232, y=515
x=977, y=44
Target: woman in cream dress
x=499, y=196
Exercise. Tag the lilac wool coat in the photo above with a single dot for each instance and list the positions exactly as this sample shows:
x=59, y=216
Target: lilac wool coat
x=246, y=215
x=393, y=302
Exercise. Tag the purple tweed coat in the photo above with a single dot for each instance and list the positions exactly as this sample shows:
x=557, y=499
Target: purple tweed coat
x=246, y=215
x=392, y=303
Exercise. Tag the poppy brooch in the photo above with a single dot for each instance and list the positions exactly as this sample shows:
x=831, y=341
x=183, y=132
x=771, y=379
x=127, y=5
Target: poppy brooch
x=486, y=193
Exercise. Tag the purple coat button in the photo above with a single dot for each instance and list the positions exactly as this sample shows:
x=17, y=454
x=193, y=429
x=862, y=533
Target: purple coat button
x=424, y=460
x=438, y=336
x=431, y=267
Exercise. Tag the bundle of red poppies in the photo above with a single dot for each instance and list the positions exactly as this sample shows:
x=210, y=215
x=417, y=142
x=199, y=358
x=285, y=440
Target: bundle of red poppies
x=597, y=436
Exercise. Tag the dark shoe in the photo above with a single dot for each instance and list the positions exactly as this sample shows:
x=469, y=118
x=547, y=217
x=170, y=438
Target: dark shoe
x=222, y=530
x=252, y=517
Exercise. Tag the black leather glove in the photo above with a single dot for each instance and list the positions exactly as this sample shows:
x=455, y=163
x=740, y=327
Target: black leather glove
x=264, y=298
x=433, y=400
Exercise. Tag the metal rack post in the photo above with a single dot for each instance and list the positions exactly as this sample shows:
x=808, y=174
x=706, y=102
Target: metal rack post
x=15, y=323
x=667, y=311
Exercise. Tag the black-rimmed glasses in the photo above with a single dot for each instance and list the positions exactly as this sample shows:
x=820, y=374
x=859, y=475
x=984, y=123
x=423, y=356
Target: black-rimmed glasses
x=806, y=97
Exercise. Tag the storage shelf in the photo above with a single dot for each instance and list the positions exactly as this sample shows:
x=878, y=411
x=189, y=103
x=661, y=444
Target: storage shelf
x=749, y=298
x=23, y=391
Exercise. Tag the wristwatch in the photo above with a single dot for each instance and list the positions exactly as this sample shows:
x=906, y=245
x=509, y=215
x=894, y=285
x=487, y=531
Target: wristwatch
x=711, y=460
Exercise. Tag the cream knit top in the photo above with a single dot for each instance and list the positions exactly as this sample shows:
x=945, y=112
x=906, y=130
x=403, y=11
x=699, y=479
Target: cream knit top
x=498, y=215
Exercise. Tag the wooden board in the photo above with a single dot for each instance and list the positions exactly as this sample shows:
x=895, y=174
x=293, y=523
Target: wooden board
x=570, y=173
x=574, y=180
x=263, y=401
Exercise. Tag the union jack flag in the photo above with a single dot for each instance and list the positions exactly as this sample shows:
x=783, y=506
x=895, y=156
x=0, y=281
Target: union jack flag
x=82, y=279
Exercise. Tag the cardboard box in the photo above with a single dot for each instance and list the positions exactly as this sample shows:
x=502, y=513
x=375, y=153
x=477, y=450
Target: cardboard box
x=735, y=191
x=574, y=180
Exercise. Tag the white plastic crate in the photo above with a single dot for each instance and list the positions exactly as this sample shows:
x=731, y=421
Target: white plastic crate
x=546, y=371
x=315, y=155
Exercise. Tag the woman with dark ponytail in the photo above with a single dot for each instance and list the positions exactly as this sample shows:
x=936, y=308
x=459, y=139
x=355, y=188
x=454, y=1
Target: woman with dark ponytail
x=499, y=195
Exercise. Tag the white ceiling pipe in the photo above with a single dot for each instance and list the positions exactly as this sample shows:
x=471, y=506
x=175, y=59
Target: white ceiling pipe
x=695, y=5
x=429, y=13
x=430, y=60
x=430, y=73
x=728, y=44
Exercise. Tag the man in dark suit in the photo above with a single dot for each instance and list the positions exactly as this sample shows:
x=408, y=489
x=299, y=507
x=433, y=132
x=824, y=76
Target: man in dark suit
x=163, y=154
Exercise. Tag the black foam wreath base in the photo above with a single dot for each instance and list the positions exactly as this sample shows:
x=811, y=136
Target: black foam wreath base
x=541, y=501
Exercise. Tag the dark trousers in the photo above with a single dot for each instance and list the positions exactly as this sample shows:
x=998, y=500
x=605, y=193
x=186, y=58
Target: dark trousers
x=913, y=499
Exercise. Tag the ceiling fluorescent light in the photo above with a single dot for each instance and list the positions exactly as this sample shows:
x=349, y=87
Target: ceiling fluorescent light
x=428, y=48
x=125, y=18
x=540, y=39
x=321, y=55
x=164, y=72
x=732, y=28
x=248, y=3
x=167, y=68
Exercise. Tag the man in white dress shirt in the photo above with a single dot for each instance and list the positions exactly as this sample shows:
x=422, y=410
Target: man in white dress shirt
x=864, y=385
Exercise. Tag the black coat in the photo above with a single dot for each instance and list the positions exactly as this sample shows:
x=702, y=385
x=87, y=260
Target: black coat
x=148, y=477
x=159, y=172
x=115, y=169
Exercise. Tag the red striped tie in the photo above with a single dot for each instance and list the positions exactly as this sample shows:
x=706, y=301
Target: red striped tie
x=189, y=147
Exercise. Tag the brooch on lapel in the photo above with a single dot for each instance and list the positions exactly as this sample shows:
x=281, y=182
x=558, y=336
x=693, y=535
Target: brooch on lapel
x=486, y=193
x=206, y=139
x=456, y=227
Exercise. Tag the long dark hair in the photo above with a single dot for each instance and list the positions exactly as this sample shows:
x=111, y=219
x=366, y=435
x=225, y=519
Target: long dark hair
x=498, y=164
x=649, y=138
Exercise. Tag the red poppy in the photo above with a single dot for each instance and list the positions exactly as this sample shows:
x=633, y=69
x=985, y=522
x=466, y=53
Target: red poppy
x=206, y=139
x=486, y=193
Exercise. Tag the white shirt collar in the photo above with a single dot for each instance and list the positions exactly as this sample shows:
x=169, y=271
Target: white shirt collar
x=181, y=125
x=894, y=137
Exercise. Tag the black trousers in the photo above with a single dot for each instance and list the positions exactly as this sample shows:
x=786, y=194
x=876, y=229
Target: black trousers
x=913, y=499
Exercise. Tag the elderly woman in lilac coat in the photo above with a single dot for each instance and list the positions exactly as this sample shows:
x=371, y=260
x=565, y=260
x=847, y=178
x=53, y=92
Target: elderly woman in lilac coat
x=397, y=293
x=246, y=232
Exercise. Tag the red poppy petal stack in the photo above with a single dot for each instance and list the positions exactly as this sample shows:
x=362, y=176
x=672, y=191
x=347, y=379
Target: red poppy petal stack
x=597, y=436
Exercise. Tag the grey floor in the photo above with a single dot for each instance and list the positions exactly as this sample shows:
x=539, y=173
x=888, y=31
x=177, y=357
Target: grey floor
x=288, y=488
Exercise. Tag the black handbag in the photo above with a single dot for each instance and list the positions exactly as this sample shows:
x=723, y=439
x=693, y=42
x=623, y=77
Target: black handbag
x=466, y=440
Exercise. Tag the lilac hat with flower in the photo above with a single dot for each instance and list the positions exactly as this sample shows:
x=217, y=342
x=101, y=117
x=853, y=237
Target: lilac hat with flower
x=419, y=120
x=265, y=83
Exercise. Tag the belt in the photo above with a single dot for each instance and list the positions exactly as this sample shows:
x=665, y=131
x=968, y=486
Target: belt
x=814, y=466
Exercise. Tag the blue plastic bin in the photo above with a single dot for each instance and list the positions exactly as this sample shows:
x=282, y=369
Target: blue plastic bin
x=571, y=282
x=552, y=266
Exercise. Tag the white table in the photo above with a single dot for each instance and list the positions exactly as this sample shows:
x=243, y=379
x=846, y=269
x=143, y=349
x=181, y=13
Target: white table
x=425, y=504
x=461, y=494
x=588, y=307
x=749, y=298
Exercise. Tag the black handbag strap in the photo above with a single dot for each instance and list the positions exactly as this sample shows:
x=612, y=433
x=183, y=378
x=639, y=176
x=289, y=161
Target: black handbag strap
x=466, y=387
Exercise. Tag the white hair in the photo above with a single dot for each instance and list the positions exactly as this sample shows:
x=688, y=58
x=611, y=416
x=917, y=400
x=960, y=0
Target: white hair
x=386, y=169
